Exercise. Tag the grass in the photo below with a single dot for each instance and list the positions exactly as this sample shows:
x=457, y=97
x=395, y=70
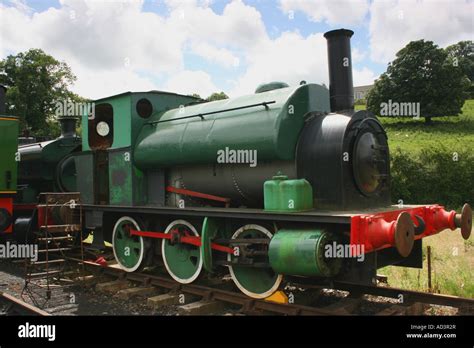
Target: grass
x=456, y=133
x=452, y=260
x=452, y=257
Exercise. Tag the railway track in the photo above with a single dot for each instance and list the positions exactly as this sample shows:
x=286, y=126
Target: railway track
x=10, y=305
x=465, y=305
x=410, y=295
x=205, y=294
x=206, y=299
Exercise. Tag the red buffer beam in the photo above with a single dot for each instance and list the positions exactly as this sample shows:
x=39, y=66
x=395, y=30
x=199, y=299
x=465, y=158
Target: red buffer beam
x=397, y=228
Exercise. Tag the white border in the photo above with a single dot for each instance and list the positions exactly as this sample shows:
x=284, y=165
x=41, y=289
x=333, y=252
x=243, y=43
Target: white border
x=132, y=269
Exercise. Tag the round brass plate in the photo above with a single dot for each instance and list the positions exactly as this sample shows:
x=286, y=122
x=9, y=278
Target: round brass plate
x=466, y=221
x=404, y=234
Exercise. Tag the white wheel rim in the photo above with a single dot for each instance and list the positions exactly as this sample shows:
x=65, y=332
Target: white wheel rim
x=142, y=246
x=231, y=270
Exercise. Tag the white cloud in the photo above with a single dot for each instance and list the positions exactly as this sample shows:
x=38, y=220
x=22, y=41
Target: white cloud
x=114, y=46
x=99, y=84
x=105, y=34
x=363, y=76
x=21, y=5
x=292, y=58
x=14, y=33
x=334, y=12
x=395, y=23
x=358, y=55
x=289, y=58
x=109, y=42
x=239, y=25
x=189, y=82
x=220, y=56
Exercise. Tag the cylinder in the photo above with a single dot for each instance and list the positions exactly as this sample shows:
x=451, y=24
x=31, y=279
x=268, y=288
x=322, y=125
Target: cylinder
x=341, y=89
x=302, y=252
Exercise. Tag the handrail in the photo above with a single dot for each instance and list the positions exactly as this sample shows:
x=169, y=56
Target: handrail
x=201, y=115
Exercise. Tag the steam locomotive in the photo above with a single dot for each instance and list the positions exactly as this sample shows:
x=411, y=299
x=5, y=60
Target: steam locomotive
x=8, y=165
x=286, y=182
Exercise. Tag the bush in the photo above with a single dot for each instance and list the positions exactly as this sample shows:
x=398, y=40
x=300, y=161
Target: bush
x=433, y=176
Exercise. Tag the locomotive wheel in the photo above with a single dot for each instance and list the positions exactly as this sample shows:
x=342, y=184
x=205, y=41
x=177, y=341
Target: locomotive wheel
x=254, y=282
x=129, y=250
x=182, y=261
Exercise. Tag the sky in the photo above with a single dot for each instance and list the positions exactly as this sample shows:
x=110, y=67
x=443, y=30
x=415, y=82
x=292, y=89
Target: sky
x=206, y=46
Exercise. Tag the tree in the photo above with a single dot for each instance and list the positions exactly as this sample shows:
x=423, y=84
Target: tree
x=462, y=56
x=421, y=73
x=35, y=81
x=217, y=96
x=213, y=97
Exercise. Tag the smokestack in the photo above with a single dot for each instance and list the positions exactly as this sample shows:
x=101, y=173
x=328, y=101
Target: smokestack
x=341, y=89
x=68, y=126
x=3, y=107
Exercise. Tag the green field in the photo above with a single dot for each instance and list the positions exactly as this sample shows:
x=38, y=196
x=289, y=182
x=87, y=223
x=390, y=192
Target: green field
x=452, y=257
x=452, y=262
x=456, y=133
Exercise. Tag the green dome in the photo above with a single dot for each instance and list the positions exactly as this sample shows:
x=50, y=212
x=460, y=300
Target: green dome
x=265, y=87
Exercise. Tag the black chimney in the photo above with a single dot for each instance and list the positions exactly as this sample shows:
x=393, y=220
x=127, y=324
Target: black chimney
x=341, y=89
x=3, y=92
x=68, y=126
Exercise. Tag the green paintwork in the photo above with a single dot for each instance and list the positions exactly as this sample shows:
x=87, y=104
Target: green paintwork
x=127, y=248
x=265, y=87
x=38, y=166
x=209, y=231
x=273, y=132
x=8, y=149
x=27, y=195
x=127, y=123
x=67, y=174
x=51, y=151
x=120, y=178
x=182, y=259
x=85, y=176
x=283, y=195
x=139, y=187
x=126, y=183
x=121, y=109
x=301, y=252
x=179, y=258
